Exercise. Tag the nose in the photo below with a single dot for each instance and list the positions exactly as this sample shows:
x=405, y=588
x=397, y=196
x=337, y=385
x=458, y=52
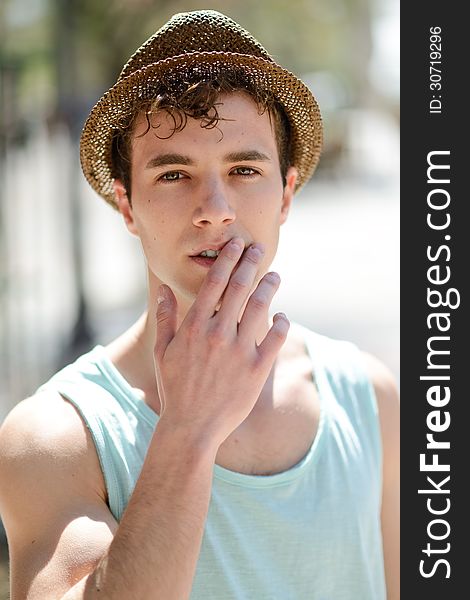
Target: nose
x=213, y=208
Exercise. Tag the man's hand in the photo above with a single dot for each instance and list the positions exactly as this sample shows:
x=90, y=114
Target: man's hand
x=211, y=371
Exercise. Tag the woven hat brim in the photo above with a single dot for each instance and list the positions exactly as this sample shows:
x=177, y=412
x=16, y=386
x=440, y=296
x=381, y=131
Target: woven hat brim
x=120, y=101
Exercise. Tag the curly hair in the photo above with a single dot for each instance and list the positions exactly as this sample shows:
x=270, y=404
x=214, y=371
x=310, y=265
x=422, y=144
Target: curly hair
x=199, y=101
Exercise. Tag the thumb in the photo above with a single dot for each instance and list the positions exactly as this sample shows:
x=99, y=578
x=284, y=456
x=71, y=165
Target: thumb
x=166, y=319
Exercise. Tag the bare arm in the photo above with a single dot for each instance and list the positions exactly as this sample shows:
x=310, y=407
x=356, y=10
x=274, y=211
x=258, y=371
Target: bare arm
x=52, y=498
x=389, y=413
x=154, y=550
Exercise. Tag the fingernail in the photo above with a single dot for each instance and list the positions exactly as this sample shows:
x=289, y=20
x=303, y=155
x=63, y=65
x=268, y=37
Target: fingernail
x=275, y=277
x=237, y=243
x=161, y=294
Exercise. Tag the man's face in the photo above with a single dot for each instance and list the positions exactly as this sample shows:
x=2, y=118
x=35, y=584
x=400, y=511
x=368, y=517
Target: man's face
x=196, y=189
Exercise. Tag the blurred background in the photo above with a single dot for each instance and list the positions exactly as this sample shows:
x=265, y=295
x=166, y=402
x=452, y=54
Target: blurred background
x=70, y=274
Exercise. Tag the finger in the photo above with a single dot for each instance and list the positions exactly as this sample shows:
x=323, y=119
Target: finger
x=166, y=319
x=240, y=284
x=274, y=340
x=257, y=307
x=216, y=280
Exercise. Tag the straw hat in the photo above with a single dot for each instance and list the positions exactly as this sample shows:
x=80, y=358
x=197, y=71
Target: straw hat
x=192, y=46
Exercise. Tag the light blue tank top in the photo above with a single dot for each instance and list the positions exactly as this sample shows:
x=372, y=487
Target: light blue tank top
x=311, y=532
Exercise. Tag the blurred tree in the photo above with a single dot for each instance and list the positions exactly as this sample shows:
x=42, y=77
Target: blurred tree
x=305, y=35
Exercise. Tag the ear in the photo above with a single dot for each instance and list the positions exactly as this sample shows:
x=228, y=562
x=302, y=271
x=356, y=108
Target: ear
x=124, y=205
x=288, y=193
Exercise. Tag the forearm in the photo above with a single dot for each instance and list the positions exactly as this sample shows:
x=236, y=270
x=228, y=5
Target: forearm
x=155, y=549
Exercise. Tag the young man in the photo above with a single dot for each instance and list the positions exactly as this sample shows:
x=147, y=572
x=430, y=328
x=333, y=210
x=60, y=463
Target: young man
x=210, y=451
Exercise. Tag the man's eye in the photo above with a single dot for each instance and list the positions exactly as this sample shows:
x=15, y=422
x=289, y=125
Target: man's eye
x=245, y=171
x=171, y=176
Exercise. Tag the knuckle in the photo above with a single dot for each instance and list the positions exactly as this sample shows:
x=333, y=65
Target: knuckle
x=217, y=334
x=253, y=256
x=259, y=365
x=214, y=279
x=163, y=314
x=232, y=253
x=238, y=284
x=193, y=327
x=259, y=302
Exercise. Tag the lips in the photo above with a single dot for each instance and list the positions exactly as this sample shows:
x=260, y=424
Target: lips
x=204, y=261
x=210, y=246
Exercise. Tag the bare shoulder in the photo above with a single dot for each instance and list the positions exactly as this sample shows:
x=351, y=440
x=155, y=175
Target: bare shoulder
x=52, y=495
x=41, y=418
x=46, y=429
x=43, y=437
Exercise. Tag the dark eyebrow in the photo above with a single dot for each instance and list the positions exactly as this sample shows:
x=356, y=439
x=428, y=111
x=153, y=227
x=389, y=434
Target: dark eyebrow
x=168, y=159
x=246, y=155
x=180, y=159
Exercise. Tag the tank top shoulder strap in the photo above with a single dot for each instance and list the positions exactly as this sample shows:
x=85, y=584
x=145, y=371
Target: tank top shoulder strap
x=344, y=386
x=120, y=427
